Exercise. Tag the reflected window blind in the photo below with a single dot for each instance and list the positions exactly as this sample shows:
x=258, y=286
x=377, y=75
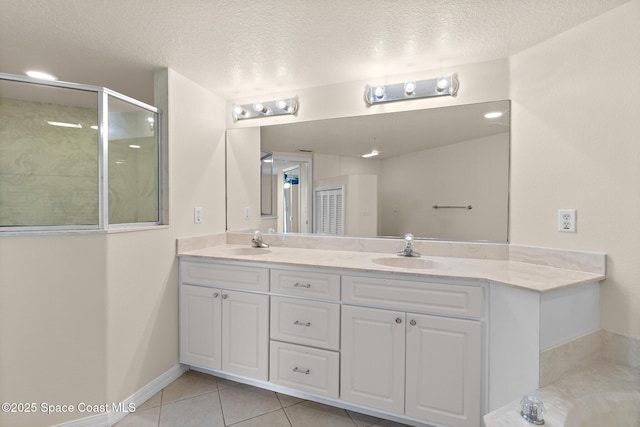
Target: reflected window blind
x=328, y=210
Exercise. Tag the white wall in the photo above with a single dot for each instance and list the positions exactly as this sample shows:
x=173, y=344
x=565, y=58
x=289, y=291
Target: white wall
x=576, y=144
x=243, y=179
x=480, y=82
x=93, y=317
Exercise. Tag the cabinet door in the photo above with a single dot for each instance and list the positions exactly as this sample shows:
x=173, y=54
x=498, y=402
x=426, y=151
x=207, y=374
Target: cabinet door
x=245, y=334
x=200, y=339
x=372, y=358
x=443, y=370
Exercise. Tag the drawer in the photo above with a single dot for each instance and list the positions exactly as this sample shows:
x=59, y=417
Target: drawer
x=300, y=283
x=305, y=322
x=430, y=297
x=224, y=276
x=304, y=368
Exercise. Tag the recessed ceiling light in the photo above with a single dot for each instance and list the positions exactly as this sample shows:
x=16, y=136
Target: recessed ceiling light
x=41, y=75
x=493, y=115
x=65, y=125
x=373, y=153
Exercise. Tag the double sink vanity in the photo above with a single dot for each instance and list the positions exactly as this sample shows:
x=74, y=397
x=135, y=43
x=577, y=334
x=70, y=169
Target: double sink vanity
x=440, y=339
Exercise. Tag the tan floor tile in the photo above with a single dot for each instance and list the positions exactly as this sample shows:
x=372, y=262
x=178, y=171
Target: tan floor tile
x=272, y=419
x=311, y=414
x=145, y=418
x=287, y=400
x=190, y=384
x=198, y=411
x=222, y=383
x=244, y=402
x=152, y=402
x=363, y=420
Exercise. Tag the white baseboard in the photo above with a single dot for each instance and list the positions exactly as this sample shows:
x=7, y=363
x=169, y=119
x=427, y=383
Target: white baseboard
x=108, y=419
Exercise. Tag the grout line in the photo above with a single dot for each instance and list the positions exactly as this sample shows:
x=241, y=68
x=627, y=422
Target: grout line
x=160, y=411
x=287, y=415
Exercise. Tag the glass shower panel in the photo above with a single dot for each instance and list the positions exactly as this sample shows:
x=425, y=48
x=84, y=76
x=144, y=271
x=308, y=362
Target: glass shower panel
x=48, y=156
x=133, y=163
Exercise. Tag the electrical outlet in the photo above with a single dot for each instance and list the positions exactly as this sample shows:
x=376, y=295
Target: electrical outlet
x=567, y=220
x=197, y=215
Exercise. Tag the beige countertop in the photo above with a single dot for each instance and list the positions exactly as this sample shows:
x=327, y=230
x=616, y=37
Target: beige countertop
x=601, y=394
x=534, y=277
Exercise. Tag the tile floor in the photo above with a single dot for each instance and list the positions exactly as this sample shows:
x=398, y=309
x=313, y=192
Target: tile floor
x=198, y=400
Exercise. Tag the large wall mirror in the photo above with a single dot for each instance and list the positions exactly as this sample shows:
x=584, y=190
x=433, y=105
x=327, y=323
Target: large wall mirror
x=439, y=173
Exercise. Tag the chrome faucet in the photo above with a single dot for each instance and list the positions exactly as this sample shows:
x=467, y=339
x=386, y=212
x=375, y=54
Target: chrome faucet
x=257, y=242
x=408, y=247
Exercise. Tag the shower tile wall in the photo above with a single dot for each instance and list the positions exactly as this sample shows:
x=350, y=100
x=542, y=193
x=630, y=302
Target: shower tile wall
x=49, y=174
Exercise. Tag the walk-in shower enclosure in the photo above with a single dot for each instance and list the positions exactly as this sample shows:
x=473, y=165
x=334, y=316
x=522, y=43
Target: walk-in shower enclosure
x=76, y=157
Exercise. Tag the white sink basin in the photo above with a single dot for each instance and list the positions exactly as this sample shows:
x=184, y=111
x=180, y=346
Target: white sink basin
x=406, y=262
x=248, y=251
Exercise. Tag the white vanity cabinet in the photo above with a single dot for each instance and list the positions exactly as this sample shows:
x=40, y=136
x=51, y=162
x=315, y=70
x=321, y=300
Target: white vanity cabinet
x=222, y=326
x=422, y=365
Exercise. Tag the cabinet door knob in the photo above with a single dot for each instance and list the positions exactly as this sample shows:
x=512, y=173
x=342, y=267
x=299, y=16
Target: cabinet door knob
x=300, y=371
x=413, y=323
x=398, y=320
x=225, y=296
x=216, y=294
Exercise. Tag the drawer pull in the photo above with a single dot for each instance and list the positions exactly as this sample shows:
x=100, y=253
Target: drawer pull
x=215, y=294
x=297, y=322
x=413, y=323
x=300, y=371
x=398, y=320
x=225, y=296
x=301, y=285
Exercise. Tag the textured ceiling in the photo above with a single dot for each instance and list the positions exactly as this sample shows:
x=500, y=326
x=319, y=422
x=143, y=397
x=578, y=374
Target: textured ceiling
x=244, y=48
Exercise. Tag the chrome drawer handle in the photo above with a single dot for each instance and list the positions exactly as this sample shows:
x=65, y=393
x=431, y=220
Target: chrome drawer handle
x=300, y=371
x=225, y=296
x=300, y=285
x=215, y=294
x=297, y=322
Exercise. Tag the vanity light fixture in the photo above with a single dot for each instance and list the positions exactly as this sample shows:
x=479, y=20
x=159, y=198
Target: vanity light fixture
x=263, y=109
x=441, y=86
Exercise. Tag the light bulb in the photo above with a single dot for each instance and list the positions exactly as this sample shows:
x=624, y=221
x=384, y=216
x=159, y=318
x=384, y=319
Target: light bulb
x=409, y=88
x=282, y=104
x=239, y=111
x=260, y=108
x=379, y=92
x=442, y=84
